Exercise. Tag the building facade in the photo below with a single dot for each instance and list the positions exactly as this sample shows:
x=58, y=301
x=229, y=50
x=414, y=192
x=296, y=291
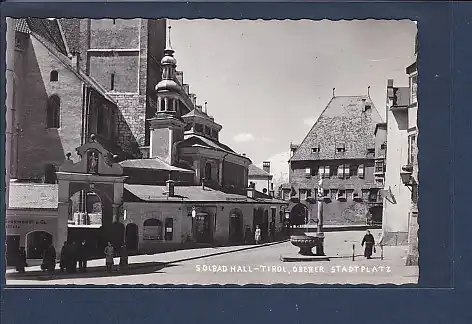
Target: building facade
x=85, y=147
x=261, y=179
x=341, y=149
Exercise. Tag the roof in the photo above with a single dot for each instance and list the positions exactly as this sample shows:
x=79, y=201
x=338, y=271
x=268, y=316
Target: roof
x=33, y=196
x=195, y=140
x=153, y=164
x=342, y=123
x=187, y=194
x=198, y=113
x=21, y=26
x=71, y=28
x=49, y=30
x=255, y=171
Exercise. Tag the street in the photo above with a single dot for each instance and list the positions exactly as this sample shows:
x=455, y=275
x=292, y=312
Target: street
x=242, y=265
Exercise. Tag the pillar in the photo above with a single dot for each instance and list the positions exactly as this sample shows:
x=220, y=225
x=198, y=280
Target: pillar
x=63, y=210
x=166, y=103
x=159, y=104
x=10, y=62
x=196, y=167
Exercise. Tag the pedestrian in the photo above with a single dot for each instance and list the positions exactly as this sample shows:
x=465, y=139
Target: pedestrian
x=109, y=253
x=82, y=256
x=257, y=235
x=369, y=244
x=124, y=259
x=63, y=261
x=21, y=260
x=247, y=235
x=49, y=259
x=72, y=257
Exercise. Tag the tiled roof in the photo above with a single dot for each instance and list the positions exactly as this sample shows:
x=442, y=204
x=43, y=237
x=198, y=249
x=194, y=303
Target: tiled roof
x=198, y=140
x=186, y=194
x=154, y=164
x=342, y=123
x=33, y=195
x=71, y=28
x=257, y=172
x=22, y=26
x=49, y=30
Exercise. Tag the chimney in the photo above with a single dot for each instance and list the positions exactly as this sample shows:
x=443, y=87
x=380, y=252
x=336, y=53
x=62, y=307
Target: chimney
x=170, y=184
x=266, y=166
x=390, y=83
x=251, y=192
x=75, y=62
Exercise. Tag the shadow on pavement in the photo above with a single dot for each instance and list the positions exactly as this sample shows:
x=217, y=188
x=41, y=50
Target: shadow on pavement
x=99, y=271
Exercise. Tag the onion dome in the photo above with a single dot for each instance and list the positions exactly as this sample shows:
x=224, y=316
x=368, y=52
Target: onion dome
x=169, y=58
x=167, y=85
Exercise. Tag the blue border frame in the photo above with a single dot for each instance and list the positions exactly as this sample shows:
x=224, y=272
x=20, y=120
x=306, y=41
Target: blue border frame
x=445, y=143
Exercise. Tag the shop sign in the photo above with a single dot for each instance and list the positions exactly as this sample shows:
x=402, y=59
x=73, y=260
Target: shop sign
x=18, y=223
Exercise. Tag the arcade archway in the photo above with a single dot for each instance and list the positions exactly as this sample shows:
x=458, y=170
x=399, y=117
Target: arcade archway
x=298, y=214
x=236, y=226
x=132, y=237
x=36, y=243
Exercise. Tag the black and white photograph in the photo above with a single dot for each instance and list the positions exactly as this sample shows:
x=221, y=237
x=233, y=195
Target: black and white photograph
x=211, y=152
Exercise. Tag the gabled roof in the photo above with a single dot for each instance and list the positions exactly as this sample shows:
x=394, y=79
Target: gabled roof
x=22, y=26
x=49, y=30
x=151, y=164
x=342, y=123
x=255, y=171
x=71, y=28
x=33, y=196
x=198, y=113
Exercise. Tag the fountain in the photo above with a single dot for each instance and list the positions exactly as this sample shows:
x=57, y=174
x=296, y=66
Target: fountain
x=307, y=242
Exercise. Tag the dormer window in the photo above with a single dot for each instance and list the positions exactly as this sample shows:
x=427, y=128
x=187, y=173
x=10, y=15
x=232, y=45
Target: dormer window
x=367, y=107
x=199, y=128
x=54, y=76
x=214, y=133
x=340, y=148
x=315, y=149
x=207, y=131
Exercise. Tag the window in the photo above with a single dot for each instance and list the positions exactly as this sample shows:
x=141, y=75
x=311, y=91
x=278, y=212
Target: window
x=350, y=194
x=411, y=148
x=353, y=170
x=53, y=112
x=214, y=133
x=333, y=193
x=152, y=230
x=314, y=171
x=340, y=149
x=315, y=149
x=379, y=166
x=325, y=193
x=208, y=171
x=308, y=193
x=342, y=194
x=383, y=146
x=371, y=152
x=307, y=172
x=373, y=195
x=54, y=76
x=365, y=194
x=341, y=171
x=367, y=107
x=360, y=171
x=199, y=128
x=302, y=194
x=332, y=170
x=326, y=172
x=207, y=130
x=169, y=229
x=346, y=170
x=414, y=88
x=112, y=82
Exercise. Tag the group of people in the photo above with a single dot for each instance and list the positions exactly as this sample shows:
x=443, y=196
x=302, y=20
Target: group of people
x=71, y=254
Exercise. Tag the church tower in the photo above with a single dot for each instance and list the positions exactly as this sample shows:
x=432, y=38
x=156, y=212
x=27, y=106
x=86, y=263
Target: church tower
x=167, y=127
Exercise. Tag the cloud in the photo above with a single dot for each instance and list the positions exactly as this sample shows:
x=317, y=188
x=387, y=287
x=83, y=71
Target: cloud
x=278, y=167
x=248, y=137
x=310, y=121
x=244, y=137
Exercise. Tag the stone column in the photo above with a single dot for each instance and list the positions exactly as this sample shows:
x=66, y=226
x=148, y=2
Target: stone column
x=166, y=103
x=159, y=104
x=196, y=167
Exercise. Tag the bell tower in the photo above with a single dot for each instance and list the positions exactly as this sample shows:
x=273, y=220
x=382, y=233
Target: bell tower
x=167, y=126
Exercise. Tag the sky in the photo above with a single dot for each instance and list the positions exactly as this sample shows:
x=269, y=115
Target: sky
x=266, y=82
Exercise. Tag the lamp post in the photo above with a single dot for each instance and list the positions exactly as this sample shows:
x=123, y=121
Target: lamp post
x=319, y=229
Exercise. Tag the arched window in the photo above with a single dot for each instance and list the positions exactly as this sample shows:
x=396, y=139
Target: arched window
x=163, y=104
x=169, y=228
x=152, y=230
x=54, y=76
x=208, y=171
x=54, y=112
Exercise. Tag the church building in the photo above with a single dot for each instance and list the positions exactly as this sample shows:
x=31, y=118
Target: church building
x=112, y=159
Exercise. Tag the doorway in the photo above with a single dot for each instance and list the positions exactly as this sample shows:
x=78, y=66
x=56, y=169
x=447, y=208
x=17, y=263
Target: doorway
x=131, y=234
x=261, y=218
x=235, y=226
x=12, y=249
x=36, y=243
x=203, y=228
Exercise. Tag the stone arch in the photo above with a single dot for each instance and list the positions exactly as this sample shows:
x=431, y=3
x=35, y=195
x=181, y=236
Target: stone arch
x=152, y=229
x=36, y=243
x=132, y=236
x=298, y=214
x=54, y=76
x=54, y=111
